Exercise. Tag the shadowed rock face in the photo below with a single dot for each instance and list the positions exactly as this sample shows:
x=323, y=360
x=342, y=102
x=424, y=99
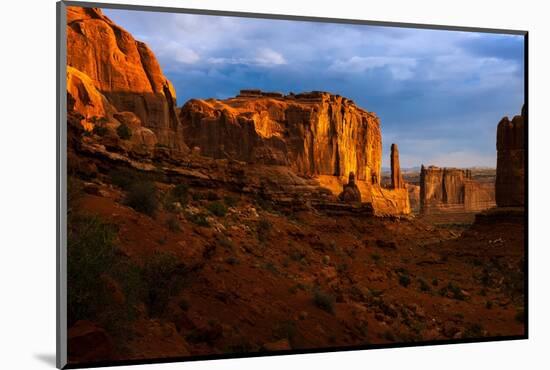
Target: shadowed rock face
x=110, y=71
x=510, y=181
x=314, y=133
x=453, y=190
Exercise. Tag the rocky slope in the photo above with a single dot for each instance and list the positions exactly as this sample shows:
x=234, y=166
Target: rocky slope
x=109, y=71
x=313, y=133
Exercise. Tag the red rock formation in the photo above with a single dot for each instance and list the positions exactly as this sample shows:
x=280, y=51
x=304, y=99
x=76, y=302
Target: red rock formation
x=350, y=193
x=314, y=133
x=453, y=190
x=510, y=181
x=109, y=71
x=396, y=178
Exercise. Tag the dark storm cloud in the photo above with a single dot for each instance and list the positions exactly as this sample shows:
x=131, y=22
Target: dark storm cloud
x=439, y=94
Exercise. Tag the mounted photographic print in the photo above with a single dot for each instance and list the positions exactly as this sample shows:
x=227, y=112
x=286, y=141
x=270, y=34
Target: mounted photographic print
x=235, y=185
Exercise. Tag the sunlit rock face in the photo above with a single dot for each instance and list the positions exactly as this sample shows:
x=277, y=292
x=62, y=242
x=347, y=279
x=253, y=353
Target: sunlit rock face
x=396, y=177
x=314, y=133
x=110, y=71
x=453, y=190
x=510, y=181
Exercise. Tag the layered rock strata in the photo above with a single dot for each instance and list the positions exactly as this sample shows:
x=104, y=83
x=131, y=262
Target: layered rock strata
x=453, y=190
x=314, y=133
x=109, y=72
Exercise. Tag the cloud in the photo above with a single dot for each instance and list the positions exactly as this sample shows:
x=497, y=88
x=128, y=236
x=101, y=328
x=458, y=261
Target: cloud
x=439, y=94
x=401, y=68
x=264, y=57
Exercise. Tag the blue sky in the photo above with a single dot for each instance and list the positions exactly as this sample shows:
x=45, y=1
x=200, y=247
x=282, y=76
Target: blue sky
x=439, y=94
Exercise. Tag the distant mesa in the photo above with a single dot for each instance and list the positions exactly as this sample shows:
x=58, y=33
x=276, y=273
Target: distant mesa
x=453, y=190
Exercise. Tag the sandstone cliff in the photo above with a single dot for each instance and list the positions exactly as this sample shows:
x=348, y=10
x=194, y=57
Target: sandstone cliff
x=109, y=71
x=313, y=133
x=510, y=181
x=453, y=190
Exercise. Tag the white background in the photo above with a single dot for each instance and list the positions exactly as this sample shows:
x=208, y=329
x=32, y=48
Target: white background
x=27, y=182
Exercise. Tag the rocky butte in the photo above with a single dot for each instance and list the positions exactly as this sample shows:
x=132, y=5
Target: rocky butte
x=510, y=181
x=453, y=190
x=316, y=134
x=110, y=75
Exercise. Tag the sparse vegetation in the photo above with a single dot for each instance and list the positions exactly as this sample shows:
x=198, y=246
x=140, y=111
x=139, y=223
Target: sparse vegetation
x=100, y=130
x=180, y=193
x=142, y=196
x=173, y=224
x=230, y=200
x=424, y=286
x=198, y=219
x=323, y=300
x=163, y=276
x=264, y=228
x=217, y=208
x=124, y=132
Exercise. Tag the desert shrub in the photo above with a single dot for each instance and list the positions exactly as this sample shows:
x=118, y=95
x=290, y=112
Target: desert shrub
x=488, y=305
x=404, y=280
x=232, y=260
x=124, y=177
x=124, y=132
x=100, y=130
x=217, y=208
x=424, y=286
x=284, y=330
x=180, y=193
x=473, y=331
x=90, y=254
x=264, y=227
x=375, y=257
x=142, y=196
x=230, y=200
x=164, y=276
x=184, y=304
x=520, y=316
x=323, y=300
x=173, y=224
x=198, y=219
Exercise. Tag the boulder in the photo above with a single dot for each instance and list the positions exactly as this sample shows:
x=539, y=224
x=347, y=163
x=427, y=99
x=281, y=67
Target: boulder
x=88, y=342
x=351, y=193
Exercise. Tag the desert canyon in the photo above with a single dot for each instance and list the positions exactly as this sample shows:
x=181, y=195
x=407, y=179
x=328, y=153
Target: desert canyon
x=262, y=222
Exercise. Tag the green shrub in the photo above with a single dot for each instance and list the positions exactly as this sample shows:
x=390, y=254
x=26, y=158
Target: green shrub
x=264, y=227
x=90, y=254
x=324, y=301
x=230, y=200
x=198, y=219
x=164, y=276
x=100, y=130
x=424, y=286
x=180, y=193
x=173, y=224
x=124, y=177
x=217, y=208
x=404, y=280
x=124, y=132
x=142, y=196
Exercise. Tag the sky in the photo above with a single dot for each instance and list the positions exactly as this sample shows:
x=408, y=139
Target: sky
x=439, y=94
